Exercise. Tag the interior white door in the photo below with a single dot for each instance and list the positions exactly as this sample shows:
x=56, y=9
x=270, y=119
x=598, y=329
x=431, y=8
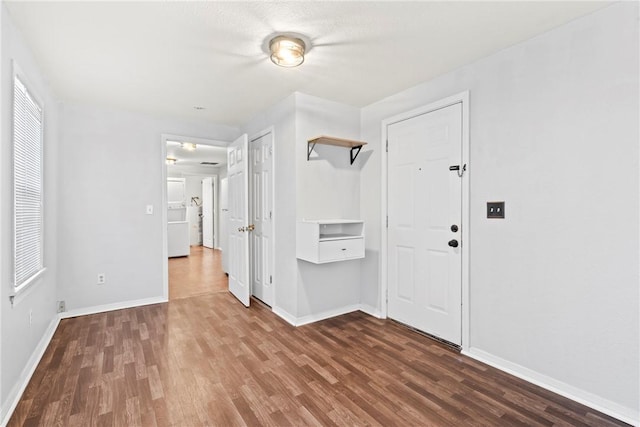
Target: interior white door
x=207, y=212
x=238, y=219
x=224, y=223
x=261, y=151
x=424, y=207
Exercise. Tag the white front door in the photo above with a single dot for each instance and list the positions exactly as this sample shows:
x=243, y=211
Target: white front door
x=261, y=150
x=424, y=209
x=207, y=213
x=238, y=219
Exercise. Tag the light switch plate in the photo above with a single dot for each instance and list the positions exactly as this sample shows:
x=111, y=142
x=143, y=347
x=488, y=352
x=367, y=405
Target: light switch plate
x=495, y=210
x=149, y=209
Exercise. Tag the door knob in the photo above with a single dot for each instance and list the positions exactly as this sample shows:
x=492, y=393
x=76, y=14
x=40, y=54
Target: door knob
x=251, y=227
x=454, y=228
x=453, y=243
x=241, y=229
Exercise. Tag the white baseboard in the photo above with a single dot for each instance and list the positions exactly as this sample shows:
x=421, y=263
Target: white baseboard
x=311, y=318
x=370, y=310
x=110, y=307
x=305, y=320
x=16, y=391
x=628, y=415
x=286, y=316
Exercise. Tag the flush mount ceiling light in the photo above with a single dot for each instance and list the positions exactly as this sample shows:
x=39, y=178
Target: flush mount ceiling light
x=171, y=160
x=189, y=146
x=287, y=51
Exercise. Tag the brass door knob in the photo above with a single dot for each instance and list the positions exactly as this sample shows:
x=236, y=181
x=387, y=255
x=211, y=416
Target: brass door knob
x=251, y=227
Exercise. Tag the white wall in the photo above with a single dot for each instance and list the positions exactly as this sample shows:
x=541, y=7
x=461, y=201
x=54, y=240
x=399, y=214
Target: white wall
x=282, y=117
x=102, y=223
x=21, y=342
x=327, y=187
x=554, y=133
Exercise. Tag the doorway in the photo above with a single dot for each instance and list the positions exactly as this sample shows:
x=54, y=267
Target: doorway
x=425, y=251
x=196, y=164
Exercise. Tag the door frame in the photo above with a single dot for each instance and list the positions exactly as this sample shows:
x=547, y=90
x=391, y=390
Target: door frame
x=214, y=196
x=163, y=207
x=463, y=98
x=253, y=137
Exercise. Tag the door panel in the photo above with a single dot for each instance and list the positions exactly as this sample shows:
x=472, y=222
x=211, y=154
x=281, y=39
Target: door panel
x=238, y=216
x=261, y=217
x=207, y=213
x=425, y=197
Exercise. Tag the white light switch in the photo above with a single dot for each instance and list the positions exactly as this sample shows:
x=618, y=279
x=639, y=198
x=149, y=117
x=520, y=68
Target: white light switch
x=149, y=209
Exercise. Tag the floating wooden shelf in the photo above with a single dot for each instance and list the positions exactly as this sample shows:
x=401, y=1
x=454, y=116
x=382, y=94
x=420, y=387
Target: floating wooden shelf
x=355, y=146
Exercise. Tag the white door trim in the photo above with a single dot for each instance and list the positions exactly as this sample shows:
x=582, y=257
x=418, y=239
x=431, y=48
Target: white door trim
x=462, y=98
x=270, y=130
x=163, y=208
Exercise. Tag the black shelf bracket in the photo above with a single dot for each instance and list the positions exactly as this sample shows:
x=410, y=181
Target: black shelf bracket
x=352, y=156
x=309, y=150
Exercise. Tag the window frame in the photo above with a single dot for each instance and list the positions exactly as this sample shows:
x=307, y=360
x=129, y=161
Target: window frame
x=34, y=277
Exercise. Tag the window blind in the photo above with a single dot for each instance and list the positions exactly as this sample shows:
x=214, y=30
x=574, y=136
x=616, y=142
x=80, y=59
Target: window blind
x=27, y=184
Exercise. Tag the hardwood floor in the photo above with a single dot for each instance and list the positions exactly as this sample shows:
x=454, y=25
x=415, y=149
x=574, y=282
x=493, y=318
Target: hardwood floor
x=207, y=360
x=199, y=273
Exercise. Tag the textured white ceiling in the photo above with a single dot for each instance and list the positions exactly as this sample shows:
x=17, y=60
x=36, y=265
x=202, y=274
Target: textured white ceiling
x=167, y=57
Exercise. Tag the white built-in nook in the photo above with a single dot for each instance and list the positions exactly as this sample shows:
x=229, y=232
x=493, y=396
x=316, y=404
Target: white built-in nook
x=329, y=240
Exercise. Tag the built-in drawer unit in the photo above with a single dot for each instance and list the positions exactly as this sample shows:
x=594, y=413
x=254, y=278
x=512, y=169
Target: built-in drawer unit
x=329, y=240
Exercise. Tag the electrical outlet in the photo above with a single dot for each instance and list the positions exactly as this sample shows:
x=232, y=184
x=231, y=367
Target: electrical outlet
x=495, y=210
x=62, y=307
x=102, y=278
x=149, y=210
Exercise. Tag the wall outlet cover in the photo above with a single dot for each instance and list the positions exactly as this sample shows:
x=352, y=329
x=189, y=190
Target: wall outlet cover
x=495, y=210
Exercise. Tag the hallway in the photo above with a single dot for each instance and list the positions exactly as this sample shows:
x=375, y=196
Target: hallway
x=198, y=274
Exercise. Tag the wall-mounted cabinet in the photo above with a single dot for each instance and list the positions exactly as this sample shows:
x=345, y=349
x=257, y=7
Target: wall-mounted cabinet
x=322, y=241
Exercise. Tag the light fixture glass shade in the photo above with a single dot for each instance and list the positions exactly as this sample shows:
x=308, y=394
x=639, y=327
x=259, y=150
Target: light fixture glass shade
x=189, y=146
x=287, y=51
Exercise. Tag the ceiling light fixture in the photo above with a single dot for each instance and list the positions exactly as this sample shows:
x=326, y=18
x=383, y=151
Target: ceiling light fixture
x=189, y=146
x=171, y=160
x=287, y=51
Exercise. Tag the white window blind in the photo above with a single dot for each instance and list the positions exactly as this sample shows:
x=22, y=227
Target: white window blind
x=27, y=185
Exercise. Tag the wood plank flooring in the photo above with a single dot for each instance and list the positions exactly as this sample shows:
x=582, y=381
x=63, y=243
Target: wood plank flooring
x=199, y=273
x=207, y=360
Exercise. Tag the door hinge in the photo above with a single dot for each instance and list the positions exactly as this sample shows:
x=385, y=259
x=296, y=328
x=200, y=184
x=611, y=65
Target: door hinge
x=387, y=221
x=270, y=214
x=270, y=279
x=387, y=146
